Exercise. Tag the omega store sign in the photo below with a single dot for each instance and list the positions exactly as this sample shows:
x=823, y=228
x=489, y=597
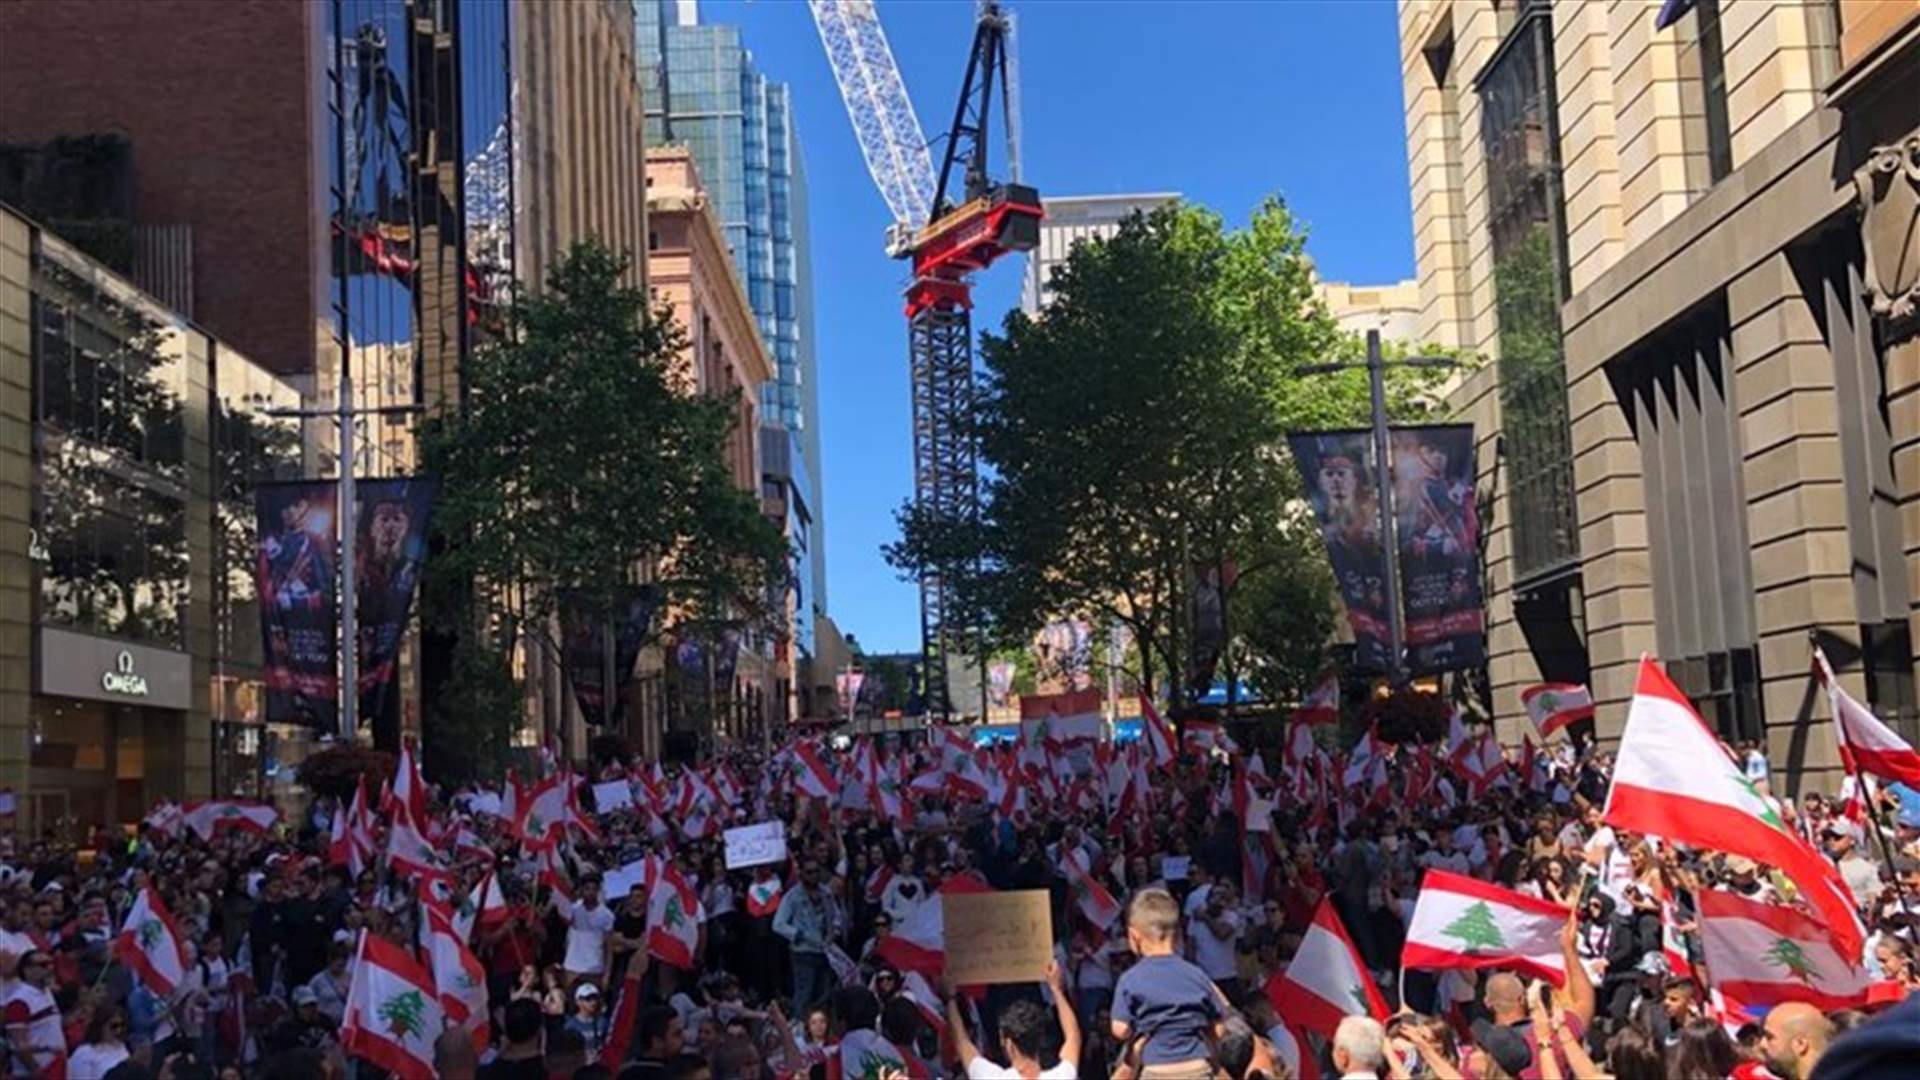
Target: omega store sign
x=102, y=669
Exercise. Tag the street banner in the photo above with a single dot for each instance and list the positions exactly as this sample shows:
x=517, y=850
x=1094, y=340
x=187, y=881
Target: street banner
x=756, y=845
x=299, y=605
x=1064, y=651
x=1337, y=468
x=584, y=648
x=1438, y=532
x=846, y=685
x=1008, y=936
x=390, y=545
x=1209, y=585
x=999, y=683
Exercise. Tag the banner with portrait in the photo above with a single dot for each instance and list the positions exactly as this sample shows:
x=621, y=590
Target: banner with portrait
x=1437, y=528
x=846, y=686
x=1207, y=591
x=584, y=649
x=1337, y=469
x=296, y=552
x=1000, y=683
x=390, y=546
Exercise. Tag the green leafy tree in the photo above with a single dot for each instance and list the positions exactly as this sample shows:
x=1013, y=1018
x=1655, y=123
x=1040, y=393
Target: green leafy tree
x=582, y=460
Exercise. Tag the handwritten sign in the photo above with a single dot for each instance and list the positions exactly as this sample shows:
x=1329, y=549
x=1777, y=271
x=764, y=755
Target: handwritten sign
x=613, y=795
x=997, y=937
x=1174, y=867
x=756, y=845
x=616, y=884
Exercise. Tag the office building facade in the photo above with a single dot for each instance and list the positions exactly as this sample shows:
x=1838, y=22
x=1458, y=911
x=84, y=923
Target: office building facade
x=703, y=92
x=1672, y=244
x=1070, y=219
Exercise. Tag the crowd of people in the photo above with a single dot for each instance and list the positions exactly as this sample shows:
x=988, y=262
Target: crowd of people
x=1173, y=914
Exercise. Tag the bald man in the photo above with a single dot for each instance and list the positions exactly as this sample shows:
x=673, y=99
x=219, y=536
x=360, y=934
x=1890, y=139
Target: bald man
x=1796, y=1034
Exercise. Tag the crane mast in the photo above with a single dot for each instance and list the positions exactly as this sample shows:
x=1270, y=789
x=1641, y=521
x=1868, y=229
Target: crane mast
x=946, y=239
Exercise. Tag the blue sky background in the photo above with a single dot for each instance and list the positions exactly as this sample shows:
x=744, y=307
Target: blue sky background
x=1224, y=102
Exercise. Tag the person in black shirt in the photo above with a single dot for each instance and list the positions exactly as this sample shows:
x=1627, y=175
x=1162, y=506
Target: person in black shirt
x=522, y=1057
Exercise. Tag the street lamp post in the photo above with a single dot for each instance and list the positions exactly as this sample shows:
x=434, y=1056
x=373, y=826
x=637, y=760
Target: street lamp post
x=1376, y=365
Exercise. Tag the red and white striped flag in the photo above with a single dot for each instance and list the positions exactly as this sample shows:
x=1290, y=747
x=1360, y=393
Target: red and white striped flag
x=393, y=1012
x=351, y=842
x=1096, y=903
x=1672, y=944
x=1765, y=954
x=1552, y=706
x=1867, y=744
x=811, y=775
x=1326, y=981
x=459, y=979
x=1460, y=922
x=408, y=851
x=544, y=815
x=673, y=920
x=407, y=786
x=1322, y=703
x=207, y=818
x=151, y=944
x=763, y=896
x=1674, y=779
x=1158, y=735
x=919, y=941
x=1205, y=735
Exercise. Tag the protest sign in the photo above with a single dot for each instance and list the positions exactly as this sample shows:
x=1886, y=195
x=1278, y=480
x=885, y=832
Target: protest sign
x=756, y=845
x=1260, y=815
x=1003, y=937
x=1174, y=867
x=613, y=795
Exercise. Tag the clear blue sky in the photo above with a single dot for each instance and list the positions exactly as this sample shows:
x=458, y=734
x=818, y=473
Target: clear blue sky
x=1222, y=102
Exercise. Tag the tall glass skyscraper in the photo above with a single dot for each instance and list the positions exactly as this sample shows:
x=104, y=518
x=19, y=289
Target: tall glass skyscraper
x=702, y=91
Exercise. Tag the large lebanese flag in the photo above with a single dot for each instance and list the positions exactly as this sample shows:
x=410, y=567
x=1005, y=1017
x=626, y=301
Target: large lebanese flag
x=459, y=978
x=1075, y=716
x=673, y=921
x=1552, y=706
x=1866, y=744
x=1674, y=779
x=393, y=1014
x=1766, y=954
x=919, y=941
x=1326, y=981
x=150, y=943
x=1459, y=922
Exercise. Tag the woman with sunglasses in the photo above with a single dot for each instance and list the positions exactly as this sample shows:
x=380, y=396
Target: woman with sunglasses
x=104, y=1046
x=33, y=1016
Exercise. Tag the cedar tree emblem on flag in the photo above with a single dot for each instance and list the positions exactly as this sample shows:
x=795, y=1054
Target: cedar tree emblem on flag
x=673, y=914
x=1787, y=953
x=1476, y=929
x=402, y=1013
x=150, y=934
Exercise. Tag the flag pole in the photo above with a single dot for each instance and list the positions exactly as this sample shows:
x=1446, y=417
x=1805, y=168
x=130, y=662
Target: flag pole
x=1823, y=672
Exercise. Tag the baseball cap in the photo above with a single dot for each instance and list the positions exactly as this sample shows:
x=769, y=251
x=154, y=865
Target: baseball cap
x=586, y=992
x=1506, y=1046
x=304, y=996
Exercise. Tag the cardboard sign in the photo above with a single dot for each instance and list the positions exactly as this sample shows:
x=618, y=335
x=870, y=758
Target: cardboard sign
x=616, y=884
x=613, y=795
x=1174, y=867
x=756, y=845
x=997, y=937
x=1260, y=815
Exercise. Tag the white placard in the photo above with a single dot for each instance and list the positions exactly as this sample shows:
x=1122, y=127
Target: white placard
x=1260, y=815
x=756, y=845
x=616, y=884
x=1174, y=867
x=613, y=795
x=485, y=802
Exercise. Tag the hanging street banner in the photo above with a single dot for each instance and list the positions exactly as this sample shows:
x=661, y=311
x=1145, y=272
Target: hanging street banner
x=1209, y=584
x=1337, y=469
x=390, y=546
x=999, y=683
x=584, y=649
x=1438, y=530
x=295, y=555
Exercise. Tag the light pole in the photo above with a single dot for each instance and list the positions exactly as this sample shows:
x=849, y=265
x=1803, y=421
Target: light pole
x=1376, y=365
x=346, y=417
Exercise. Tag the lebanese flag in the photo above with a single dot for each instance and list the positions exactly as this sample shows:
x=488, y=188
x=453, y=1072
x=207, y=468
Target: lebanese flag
x=492, y=903
x=543, y=817
x=965, y=780
x=351, y=842
x=1326, y=981
x=1552, y=706
x=151, y=944
x=1096, y=903
x=166, y=817
x=866, y=1053
x=1674, y=779
x=811, y=774
x=673, y=921
x=1766, y=954
x=763, y=897
x=1322, y=704
x=1367, y=764
x=407, y=786
x=1075, y=716
x=1206, y=735
x=409, y=852
x=207, y=818
x=1460, y=922
x=1679, y=963
x=459, y=978
x=1866, y=744
x=393, y=1012
x=919, y=941
x=1158, y=735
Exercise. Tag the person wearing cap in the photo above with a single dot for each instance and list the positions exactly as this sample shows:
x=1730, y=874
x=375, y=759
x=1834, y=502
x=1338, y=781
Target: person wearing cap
x=1861, y=874
x=589, y=1020
x=303, y=1028
x=329, y=987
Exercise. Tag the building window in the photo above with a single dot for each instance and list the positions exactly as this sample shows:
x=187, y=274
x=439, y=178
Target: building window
x=1519, y=129
x=1703, y=70
x=1677, y=394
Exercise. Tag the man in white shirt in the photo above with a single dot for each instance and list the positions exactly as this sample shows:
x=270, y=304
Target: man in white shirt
x=904, y=890
x=1023, y=1037
x=588, y=923
x=1861, y=874
x=33, y=1022
x=1215, y=933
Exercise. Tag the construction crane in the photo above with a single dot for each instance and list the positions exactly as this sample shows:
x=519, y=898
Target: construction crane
x=948, y=225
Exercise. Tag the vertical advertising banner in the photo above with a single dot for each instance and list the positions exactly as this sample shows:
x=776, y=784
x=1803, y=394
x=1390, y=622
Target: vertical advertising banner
x=1337, y=469
x=846, y=686
x=294, y=563
x=1438, y=535
x=999, y=683
x=1209, y=585
x=584, y=649
x=390, y=546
